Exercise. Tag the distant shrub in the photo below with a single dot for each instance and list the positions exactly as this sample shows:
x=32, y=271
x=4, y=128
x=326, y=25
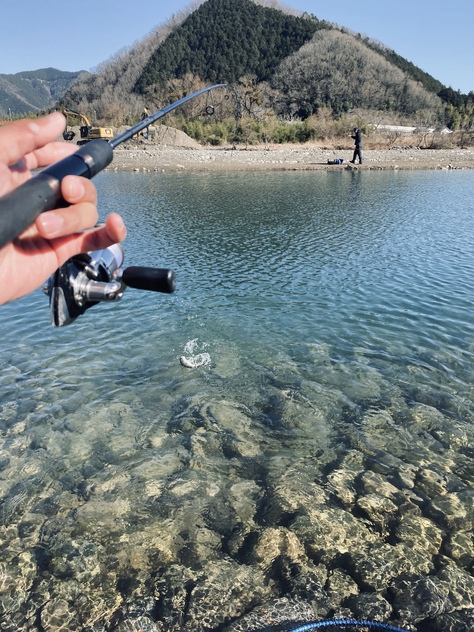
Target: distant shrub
x=323, y=128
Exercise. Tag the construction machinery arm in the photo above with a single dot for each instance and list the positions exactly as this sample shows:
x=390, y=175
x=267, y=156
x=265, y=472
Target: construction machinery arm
x=77, y=115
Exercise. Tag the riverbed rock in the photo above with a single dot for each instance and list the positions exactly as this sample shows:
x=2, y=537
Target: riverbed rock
x=453, y=511
x=371, y=606
x=329, y=532
x=341, y=586
x=211, y=597
x=427, y=597
x=416, y=531
x=342, y=481
x=459, y=546
x=383, y=563
x=283, y=613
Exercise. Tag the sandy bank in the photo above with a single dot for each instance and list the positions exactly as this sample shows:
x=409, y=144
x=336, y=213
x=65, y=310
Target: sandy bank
x=142, y=157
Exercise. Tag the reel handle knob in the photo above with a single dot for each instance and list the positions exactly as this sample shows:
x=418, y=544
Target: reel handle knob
x=153, y=279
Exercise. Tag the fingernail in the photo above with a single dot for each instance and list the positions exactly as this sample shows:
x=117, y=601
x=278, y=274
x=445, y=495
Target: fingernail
x=51, y=223
x=34, y=127
x=75, y=189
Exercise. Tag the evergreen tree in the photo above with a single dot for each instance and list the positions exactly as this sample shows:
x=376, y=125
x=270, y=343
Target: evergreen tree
x=225, y=39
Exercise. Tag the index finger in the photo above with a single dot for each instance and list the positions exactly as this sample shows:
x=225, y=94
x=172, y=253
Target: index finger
x=21, y=138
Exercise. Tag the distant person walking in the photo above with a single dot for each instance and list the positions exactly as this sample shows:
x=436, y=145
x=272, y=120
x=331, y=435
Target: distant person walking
x=357, y=136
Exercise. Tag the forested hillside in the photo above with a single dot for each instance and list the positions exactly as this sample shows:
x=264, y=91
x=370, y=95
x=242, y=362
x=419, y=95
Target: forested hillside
x=458, y=108
x=224, y=40
x=279, y=66
x=337, y=71
x=33, y=91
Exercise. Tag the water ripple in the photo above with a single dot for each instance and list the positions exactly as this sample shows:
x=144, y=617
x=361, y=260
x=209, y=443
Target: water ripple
x=336, y=310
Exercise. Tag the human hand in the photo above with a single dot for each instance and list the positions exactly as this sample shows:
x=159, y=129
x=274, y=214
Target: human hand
x=28, y=261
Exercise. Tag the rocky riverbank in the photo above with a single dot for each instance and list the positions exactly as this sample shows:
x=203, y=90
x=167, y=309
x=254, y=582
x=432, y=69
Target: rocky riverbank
x=171, y=150
x=141, y=156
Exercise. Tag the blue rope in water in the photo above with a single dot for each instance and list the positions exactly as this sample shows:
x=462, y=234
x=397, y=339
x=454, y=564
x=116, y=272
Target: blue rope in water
x=330, y=623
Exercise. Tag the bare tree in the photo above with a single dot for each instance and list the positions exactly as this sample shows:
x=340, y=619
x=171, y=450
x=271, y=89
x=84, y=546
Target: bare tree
x=336, y=70
x=109, y=91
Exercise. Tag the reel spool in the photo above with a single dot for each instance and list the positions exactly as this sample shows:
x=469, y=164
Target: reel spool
x=94, y=277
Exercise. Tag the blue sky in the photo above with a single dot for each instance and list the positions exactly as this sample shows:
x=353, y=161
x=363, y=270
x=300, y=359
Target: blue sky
x=434, y=34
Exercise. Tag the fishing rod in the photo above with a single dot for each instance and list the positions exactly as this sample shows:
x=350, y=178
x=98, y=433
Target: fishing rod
x=88, y=278
x=20, y=207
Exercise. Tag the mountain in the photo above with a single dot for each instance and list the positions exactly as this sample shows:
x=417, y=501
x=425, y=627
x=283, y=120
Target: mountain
x=299, y=66
x=33, y=91
x=307, y=62
x=244, y=38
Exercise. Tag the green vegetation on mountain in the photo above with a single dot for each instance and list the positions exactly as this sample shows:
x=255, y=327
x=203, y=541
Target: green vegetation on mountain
x=33, y=91
x=224, y=40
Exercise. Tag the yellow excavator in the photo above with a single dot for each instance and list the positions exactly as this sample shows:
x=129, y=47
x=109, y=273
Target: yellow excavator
x=86, y=130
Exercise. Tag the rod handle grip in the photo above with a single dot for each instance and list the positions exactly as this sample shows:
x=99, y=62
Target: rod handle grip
x=20, y=207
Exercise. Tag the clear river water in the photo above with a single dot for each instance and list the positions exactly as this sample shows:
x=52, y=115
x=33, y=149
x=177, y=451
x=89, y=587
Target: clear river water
x=320, y=462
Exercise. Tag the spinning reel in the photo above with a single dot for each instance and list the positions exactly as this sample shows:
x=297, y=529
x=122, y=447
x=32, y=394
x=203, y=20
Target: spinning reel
x=91, y=278
x=86, y=279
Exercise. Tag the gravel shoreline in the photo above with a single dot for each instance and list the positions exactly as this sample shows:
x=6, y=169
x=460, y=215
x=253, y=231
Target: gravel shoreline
x=136, y=156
